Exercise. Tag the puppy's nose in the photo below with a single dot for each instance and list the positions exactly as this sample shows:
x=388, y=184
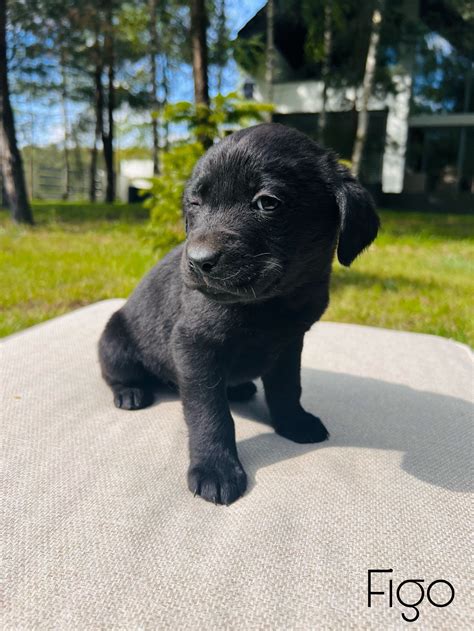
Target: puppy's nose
x=203, y=257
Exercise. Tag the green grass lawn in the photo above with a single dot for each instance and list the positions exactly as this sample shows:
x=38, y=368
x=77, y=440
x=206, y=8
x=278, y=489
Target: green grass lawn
x=418, y=276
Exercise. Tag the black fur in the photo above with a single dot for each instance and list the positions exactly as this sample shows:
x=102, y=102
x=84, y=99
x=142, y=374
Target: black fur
x=234, y=301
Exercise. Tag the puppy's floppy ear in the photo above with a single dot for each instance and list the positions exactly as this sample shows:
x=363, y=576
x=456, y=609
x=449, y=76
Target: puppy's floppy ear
x=359, y=222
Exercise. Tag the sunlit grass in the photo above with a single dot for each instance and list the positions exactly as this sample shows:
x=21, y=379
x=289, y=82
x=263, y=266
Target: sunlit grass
x=65, y=262
x=418, y=276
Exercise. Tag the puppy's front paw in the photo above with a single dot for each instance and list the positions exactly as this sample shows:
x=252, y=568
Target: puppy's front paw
x=303, y=428
x=221, y=482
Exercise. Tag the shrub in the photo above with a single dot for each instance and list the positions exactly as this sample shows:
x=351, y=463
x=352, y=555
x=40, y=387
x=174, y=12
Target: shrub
x=166, y=226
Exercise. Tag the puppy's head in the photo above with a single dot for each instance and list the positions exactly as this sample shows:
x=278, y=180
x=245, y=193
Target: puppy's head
x=265, y=210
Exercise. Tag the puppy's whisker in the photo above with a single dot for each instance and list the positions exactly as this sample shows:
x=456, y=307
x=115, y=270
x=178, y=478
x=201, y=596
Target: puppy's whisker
x=222, y=280
x=273, y=265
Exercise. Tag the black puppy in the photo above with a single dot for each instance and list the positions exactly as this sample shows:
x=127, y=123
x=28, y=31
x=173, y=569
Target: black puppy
x=265, y=210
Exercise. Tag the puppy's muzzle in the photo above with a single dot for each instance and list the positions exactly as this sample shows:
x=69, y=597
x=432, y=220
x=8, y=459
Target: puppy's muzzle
x=202, y=257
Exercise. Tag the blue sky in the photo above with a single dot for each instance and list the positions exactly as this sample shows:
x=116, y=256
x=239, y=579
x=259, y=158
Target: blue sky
x=42, y=122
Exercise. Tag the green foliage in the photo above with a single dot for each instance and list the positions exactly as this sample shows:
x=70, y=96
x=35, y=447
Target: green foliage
x=313, y=15
x=166, y=226
x=249, y=53
x=226, y=113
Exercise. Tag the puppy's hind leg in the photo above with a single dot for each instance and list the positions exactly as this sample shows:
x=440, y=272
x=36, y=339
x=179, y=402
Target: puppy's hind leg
x=131, y=383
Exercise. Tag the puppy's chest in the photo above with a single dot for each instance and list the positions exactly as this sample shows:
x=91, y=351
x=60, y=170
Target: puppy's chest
x=251, y=355
x=256, y=340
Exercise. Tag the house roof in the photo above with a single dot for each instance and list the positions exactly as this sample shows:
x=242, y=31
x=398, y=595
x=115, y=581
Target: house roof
x=289, y=34
x=290, y=30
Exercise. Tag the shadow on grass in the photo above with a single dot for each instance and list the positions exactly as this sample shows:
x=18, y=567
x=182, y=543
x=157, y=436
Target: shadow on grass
x=77, y=213
x=394, y=224
x=427, y=225
x=352, y=278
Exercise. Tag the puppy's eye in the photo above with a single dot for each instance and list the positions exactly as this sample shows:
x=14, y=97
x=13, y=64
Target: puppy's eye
x=266, y=203
x=194, y=202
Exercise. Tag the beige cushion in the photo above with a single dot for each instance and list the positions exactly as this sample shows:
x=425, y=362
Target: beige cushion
x=100, y=531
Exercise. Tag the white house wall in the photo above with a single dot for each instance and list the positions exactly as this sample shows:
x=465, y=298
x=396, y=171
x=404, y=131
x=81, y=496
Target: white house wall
x=305, y=97
x=133, y=173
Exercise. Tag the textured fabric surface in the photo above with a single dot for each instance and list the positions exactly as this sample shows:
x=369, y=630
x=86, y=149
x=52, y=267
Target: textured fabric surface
x=100, y=532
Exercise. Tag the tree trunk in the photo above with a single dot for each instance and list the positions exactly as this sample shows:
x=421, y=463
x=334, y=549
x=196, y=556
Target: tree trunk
x=463, y=136
x=99, y=125
x=200, y=69
x=270, y=52
x=64, y=95
x=10, y=158
x=78, y=164
x=166, y=90
x=221, y=44
x=153, y=9
x=108, y=136
x=322, y=120
x=93, y=173
x=108, y=139
x=164, y=22
x=367, y=85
